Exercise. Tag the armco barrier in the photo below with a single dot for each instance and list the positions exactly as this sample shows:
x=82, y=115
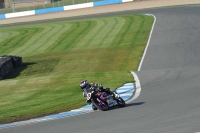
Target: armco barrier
x=49, y=10
x=78, y=6
x=2, y=16
x=20, y=14
x=126, y=1
x=63, y=8
x=107, y=2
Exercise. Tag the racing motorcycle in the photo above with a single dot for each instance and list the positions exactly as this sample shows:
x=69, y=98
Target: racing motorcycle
x=103, y=101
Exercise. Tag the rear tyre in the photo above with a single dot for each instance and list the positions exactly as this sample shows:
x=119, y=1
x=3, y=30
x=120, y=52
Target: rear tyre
x=100, y=105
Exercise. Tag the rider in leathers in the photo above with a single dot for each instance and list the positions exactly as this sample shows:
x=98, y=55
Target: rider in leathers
x=86, y=87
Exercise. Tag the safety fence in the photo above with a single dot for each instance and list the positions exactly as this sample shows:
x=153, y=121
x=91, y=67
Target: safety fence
x=61, y=8
x=27, y=5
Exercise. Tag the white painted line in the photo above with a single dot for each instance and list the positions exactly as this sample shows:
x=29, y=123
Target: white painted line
x=137, y=81
x=137, y=87
x=147, y=42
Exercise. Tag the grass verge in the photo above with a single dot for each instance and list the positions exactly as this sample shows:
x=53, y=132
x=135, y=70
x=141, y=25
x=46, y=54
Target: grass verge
x=58, y=55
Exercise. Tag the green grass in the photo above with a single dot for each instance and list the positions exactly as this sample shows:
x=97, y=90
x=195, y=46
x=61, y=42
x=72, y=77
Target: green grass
x=58, y=55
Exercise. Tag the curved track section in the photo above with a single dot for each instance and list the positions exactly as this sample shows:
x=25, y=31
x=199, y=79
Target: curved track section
x=169, y=101
x=126, y=92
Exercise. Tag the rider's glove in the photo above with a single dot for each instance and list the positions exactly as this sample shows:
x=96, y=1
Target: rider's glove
x=87, y=102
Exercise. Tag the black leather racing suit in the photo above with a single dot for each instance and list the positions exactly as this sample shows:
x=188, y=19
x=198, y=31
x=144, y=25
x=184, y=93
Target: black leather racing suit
x=97, y=87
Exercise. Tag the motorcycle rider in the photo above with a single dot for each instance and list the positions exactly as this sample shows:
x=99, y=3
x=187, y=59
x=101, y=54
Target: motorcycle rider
x=86, y=87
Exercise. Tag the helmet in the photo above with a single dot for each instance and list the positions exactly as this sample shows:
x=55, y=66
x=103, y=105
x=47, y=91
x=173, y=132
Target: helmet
x=84, y=84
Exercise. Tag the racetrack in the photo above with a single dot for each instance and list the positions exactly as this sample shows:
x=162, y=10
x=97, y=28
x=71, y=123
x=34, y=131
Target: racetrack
x=169, y=101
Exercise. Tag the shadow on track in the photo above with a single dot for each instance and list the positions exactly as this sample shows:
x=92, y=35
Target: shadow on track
x=135, y=104
x=127, y=105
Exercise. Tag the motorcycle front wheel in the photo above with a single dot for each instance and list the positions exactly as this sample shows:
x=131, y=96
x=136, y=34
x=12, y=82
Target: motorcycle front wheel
x=121, y=102
x=100, y=105
x=94, y=107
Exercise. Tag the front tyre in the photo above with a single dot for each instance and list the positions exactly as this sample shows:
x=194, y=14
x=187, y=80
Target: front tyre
x=94, y=107
x=100, y=105
x=121, y=102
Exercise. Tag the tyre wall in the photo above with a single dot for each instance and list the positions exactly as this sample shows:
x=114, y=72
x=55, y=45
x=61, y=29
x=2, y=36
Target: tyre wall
x=8, y=63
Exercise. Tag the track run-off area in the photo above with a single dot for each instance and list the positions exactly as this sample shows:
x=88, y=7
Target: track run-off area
x=169, y=76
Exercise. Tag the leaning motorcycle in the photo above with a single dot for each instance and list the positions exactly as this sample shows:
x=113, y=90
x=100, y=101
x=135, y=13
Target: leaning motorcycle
x=103, y=101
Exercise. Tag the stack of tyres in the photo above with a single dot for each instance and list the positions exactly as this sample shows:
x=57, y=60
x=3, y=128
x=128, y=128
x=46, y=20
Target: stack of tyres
x=17, y=61
x=7, y=63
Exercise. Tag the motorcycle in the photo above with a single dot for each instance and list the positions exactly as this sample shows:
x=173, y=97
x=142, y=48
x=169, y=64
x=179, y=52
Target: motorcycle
x=103, y=101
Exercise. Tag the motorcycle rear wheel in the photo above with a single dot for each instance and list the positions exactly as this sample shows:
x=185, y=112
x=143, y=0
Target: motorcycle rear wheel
x=101, y=106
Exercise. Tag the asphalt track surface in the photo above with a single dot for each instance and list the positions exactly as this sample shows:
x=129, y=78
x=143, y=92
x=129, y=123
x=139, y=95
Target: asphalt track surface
x=170, y=81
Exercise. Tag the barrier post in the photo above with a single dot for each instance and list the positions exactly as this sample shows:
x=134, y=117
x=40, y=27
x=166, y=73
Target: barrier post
x=13, y=5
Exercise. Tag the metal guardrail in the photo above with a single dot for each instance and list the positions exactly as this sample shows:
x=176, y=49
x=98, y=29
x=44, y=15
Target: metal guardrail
x=28, y=5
